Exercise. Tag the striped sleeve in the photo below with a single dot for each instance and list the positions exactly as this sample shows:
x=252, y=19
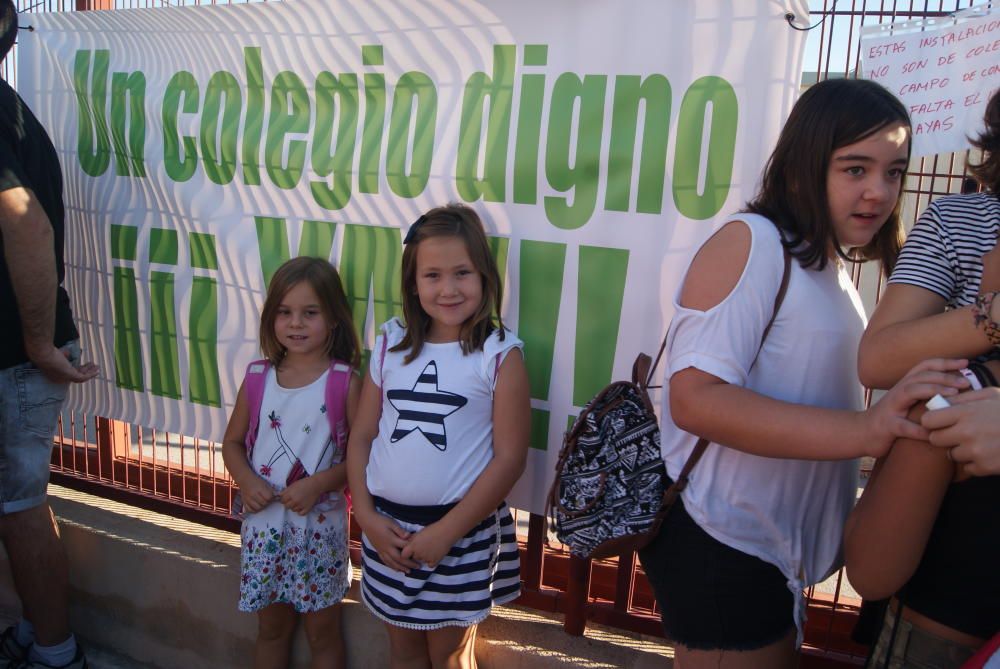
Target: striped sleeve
x=943, y=253
x=926, y=258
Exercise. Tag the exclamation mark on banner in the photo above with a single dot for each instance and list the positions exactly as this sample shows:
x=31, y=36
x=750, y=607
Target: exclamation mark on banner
x=203, y=324
x=165, y=377
x=600, y=292
x=272, y=242
x=128, y=351
x=370, y=266
x=499, y=247
x=541, y=279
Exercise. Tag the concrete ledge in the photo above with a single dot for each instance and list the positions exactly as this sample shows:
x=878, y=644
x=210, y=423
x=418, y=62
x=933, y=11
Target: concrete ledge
x=161, y=592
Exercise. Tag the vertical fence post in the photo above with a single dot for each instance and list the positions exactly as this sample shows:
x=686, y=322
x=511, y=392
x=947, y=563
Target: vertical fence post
x=105, y=448
x=577, y=590
x=624, y=581
x=533, y=557
x=86, y=5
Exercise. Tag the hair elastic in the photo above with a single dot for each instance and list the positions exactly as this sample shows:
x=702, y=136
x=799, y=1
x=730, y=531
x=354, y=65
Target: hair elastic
x=412, y=232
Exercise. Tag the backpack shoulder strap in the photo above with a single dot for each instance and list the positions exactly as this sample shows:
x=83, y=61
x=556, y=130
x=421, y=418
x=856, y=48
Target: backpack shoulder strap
x=253, y=384
x=338, y=382
x=682, y=480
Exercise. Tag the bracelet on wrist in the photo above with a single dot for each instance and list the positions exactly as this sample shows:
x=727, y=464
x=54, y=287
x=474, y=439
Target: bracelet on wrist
x=982, y=319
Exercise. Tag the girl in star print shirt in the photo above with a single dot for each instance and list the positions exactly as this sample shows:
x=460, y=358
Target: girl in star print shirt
x=284, y=447
x=440, y=439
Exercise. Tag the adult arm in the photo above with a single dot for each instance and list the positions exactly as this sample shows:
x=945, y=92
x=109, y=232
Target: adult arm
x=384, y=534
x=256, y=492
x=704, y=404
x=511, y=430
x=886, y=533
x=31, y=263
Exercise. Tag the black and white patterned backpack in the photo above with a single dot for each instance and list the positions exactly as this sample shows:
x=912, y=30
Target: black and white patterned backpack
x=610, y=492
x=610, y=477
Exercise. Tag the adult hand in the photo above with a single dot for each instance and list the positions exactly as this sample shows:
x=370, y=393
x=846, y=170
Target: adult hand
x=970, y=427
x=301, y=496
x=56, y=367
x=256, y=492
x=887, y=419
x=388, y=539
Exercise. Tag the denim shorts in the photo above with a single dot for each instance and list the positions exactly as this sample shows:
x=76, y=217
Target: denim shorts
x=30, y=405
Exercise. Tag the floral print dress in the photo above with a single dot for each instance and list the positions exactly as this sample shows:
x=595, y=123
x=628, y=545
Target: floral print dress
x=288, y=558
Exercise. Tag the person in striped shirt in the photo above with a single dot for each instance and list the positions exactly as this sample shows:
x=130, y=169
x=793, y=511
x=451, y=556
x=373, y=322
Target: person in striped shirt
x=926, y=532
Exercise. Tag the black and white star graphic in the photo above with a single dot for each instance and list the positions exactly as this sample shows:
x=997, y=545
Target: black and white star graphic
x=424, y=408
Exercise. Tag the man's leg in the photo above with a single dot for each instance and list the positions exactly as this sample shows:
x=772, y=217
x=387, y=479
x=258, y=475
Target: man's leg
x=38, y=563
x=29, y=414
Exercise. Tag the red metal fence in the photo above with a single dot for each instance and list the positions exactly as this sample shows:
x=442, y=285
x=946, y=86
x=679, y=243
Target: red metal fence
x=185, y=476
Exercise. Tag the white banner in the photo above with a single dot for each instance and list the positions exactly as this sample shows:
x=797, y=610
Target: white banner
x=943, y=69
x=202, y=146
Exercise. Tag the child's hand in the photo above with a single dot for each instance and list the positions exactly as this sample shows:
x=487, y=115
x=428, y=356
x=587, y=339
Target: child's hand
x=887, y=419
x=429, y=545
x=301, y=496
x=389, y=539
x=257, y=493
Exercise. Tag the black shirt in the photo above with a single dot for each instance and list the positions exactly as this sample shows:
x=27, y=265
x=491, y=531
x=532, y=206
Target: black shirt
x=28, y=160
x=958, y=580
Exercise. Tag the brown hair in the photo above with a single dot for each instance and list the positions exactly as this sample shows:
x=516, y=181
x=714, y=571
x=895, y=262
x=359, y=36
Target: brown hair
x=830, y=115
x=987, y=172
x=8, y=27
x=454, y=220
x=342, y=342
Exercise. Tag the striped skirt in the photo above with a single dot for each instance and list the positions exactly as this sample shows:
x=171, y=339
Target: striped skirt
x=481, y=570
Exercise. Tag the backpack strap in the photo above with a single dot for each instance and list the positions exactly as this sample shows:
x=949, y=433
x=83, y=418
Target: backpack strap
x=678, y=486
x=253, y=385
x=338, y=382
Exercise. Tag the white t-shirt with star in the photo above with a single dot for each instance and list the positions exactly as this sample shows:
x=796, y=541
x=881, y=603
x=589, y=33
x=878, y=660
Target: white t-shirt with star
x=435, y=436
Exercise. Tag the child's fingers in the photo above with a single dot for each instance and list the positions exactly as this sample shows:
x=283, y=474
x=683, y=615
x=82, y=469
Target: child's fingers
x=907, y=429
x=399, y=531
x=939, y=365
x=991, y=393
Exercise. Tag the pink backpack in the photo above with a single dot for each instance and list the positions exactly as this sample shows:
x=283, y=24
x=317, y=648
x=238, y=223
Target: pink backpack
x=337, y=383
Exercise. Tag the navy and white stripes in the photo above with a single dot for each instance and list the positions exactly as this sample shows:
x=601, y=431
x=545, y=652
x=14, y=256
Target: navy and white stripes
x=480, y=571
x=424, y=408
x=943, y=253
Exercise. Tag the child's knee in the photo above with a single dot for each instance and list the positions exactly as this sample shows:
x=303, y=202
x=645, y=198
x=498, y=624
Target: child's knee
x=323, y=628
x=407, y=645
x=275, y=622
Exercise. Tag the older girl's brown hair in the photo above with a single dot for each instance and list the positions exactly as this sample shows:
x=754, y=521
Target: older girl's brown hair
x=342, y=342
x=830, y=115
x=987, y=172
x=453, y=220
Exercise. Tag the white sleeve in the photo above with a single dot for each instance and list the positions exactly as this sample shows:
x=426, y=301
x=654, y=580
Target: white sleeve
x=494, y=353
x=724, y=340
x=391, y=333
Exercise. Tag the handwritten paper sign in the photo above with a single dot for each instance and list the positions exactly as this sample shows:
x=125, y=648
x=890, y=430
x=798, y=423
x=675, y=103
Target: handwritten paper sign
x=943, y=69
